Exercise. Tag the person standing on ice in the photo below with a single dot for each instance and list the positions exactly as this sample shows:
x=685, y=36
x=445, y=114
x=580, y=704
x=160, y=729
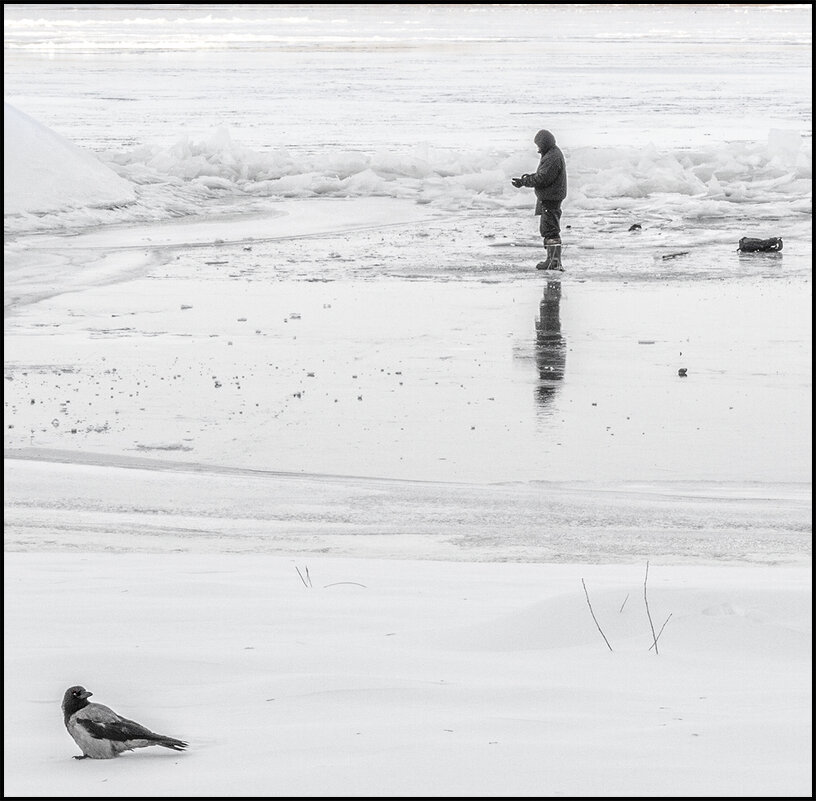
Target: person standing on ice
x=550, y=184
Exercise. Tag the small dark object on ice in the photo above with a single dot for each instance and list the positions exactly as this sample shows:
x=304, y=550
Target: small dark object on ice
x=750, y=245
x=682, y=372
x=675, y=255
x=635, y=227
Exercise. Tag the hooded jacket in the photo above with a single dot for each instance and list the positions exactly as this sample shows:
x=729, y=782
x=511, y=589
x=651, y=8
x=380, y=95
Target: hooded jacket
x=550, y=179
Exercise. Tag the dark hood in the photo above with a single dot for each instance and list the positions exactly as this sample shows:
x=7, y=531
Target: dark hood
x=544, y=141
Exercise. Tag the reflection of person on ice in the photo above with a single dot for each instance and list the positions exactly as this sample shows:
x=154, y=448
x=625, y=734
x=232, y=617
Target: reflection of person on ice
x=550, y=184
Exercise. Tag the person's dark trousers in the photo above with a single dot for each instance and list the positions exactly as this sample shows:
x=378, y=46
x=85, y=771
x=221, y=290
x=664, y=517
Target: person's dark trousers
x=551, y=221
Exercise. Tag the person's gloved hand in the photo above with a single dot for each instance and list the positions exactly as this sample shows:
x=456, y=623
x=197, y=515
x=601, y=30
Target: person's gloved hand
x=517, y=182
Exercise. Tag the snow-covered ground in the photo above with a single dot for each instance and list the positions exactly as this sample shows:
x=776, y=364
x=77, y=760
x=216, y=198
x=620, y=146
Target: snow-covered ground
x=305, y=462
x=403, y=677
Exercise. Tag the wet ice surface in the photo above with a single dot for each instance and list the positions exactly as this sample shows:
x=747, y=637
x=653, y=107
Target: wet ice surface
x=426, y=350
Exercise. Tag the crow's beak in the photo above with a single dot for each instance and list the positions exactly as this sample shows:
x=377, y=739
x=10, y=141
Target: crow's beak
x=86, y=694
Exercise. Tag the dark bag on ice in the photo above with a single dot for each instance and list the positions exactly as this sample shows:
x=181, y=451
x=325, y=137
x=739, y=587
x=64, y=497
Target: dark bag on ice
x=750, y=245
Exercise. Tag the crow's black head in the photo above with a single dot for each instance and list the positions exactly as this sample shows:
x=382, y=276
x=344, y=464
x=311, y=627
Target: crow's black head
x=75, y=698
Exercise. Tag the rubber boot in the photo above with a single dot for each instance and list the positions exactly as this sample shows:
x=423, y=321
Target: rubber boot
x=553, y=260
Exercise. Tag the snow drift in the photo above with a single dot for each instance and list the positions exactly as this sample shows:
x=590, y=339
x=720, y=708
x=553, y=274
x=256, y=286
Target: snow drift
x=43, y=172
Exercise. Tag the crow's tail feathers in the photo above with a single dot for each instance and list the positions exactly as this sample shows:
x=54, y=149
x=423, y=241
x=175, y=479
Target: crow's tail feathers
x=170, y=742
